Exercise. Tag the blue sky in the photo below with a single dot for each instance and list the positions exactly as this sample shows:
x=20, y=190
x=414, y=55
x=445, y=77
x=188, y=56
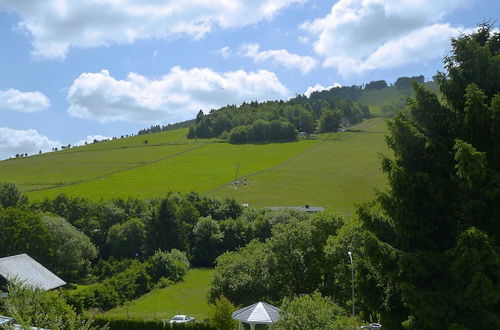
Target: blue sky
x=80, y=69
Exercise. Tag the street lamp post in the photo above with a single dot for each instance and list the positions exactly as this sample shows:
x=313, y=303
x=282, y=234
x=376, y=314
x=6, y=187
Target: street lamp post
x=352, y=276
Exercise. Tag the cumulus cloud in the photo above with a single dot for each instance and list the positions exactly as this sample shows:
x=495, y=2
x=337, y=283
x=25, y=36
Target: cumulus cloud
x=29, y=141
x=91, y=138
x=12, y=99
x=56, y=26
x=279, y=57
x=361, y=35
x=319, y=88
x=176, y=96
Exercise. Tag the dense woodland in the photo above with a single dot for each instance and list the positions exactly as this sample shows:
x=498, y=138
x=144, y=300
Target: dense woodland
x=322, y=111
x=425, y=252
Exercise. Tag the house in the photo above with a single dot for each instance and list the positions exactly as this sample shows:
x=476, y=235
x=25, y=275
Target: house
x=306, y=208
x=27, y=270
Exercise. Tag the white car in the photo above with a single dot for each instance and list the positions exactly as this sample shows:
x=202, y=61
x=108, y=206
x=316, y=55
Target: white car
x=182, y=319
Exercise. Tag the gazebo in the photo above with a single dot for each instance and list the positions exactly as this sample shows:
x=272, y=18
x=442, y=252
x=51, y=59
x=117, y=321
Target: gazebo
x=258, y=313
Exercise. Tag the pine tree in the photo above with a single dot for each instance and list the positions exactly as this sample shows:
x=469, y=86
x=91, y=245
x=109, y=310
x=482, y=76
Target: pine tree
x=436, y=238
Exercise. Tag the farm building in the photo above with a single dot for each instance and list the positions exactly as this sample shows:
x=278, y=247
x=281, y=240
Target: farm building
x=27, y=270
x=306, y=208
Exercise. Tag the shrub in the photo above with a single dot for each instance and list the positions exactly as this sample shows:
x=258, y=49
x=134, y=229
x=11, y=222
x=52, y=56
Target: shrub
x=221, y=312
x=172, y=265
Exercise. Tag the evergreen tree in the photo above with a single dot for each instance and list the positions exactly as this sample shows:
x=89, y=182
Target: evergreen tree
x=435, y=238
x=164, y=231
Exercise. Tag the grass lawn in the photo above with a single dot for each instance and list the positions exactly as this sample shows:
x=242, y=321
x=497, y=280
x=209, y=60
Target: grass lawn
x=187, y=297
x=198, y=169
x=332, y=170
x=337, y=173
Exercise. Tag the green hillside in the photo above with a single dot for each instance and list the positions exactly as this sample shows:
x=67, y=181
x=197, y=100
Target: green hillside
x=333, y=170
x=339, y=171
x=186, y=297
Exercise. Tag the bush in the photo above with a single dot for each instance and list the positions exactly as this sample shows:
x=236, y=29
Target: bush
x=127, y=285
x=221, y=312
x=172, y=265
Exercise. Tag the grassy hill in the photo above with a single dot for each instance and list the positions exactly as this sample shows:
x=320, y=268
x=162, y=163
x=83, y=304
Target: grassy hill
x=333, y=170
x=376, y=98
x=187, y=297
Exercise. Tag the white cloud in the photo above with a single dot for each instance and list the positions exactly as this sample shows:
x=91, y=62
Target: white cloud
x=319, y=88
x=12, y=99
x=303, y=39
x=29, y=141
x=56, y=26
x=225, y=52
x=176, y=96
x=355, y=34
x=279, y=57
x=91, y=138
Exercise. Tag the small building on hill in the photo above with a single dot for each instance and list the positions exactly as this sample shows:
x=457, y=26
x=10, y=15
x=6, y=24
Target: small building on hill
x=306, y=208
x=23, y=268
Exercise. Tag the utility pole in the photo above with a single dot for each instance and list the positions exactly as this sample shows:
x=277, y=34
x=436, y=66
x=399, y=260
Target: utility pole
x=236, y=176
x=352, y=276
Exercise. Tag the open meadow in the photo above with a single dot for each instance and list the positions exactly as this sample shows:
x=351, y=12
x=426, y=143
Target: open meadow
x=187, y=297
x=335, y=171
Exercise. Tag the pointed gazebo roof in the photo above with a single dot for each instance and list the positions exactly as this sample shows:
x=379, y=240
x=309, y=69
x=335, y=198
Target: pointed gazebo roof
x=258, y=313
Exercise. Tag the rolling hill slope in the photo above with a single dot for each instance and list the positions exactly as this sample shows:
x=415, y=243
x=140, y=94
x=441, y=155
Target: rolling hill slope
x=333, y=170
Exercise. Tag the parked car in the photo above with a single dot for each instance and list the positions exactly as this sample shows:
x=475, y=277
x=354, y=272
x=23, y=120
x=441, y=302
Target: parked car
x=182, y=319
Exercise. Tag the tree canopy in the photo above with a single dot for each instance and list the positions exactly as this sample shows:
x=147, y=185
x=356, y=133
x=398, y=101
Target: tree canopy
x=435, y=232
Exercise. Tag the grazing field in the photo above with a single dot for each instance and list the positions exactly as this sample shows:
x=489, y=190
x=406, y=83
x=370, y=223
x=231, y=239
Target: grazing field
x=337, y=173
x=198, y=169
x=187, y=297
x=332, y=170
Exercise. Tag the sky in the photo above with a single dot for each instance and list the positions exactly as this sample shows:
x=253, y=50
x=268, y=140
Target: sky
x=75, y=70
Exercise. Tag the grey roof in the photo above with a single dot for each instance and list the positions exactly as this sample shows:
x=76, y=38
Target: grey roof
x=27, y=270
x=5, y=320
x=260, y=313
x=305, y=208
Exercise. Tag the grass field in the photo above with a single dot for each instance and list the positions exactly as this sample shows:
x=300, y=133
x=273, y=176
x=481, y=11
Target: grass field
x=187, y=297
x=335, y=171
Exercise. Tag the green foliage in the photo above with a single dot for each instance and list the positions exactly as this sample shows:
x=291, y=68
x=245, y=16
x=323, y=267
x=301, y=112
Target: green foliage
x=73, y=252
x=243, y=276
x=292, y=261
x=330, y=121
x=126, y=239
x=264, y=131
x=276, y=120
x=44, y=309
x=207, y=241
x=11, y=196
x=172, y=265
x=113, y=291
x=377, y=84
x=406, y=82
x=23, y=231
x=164, y=230
x=220, y=314
x=310, y=311
x=433, y=237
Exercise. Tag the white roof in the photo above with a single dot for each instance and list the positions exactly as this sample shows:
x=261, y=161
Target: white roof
x=28, y=271
x=260, y=313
